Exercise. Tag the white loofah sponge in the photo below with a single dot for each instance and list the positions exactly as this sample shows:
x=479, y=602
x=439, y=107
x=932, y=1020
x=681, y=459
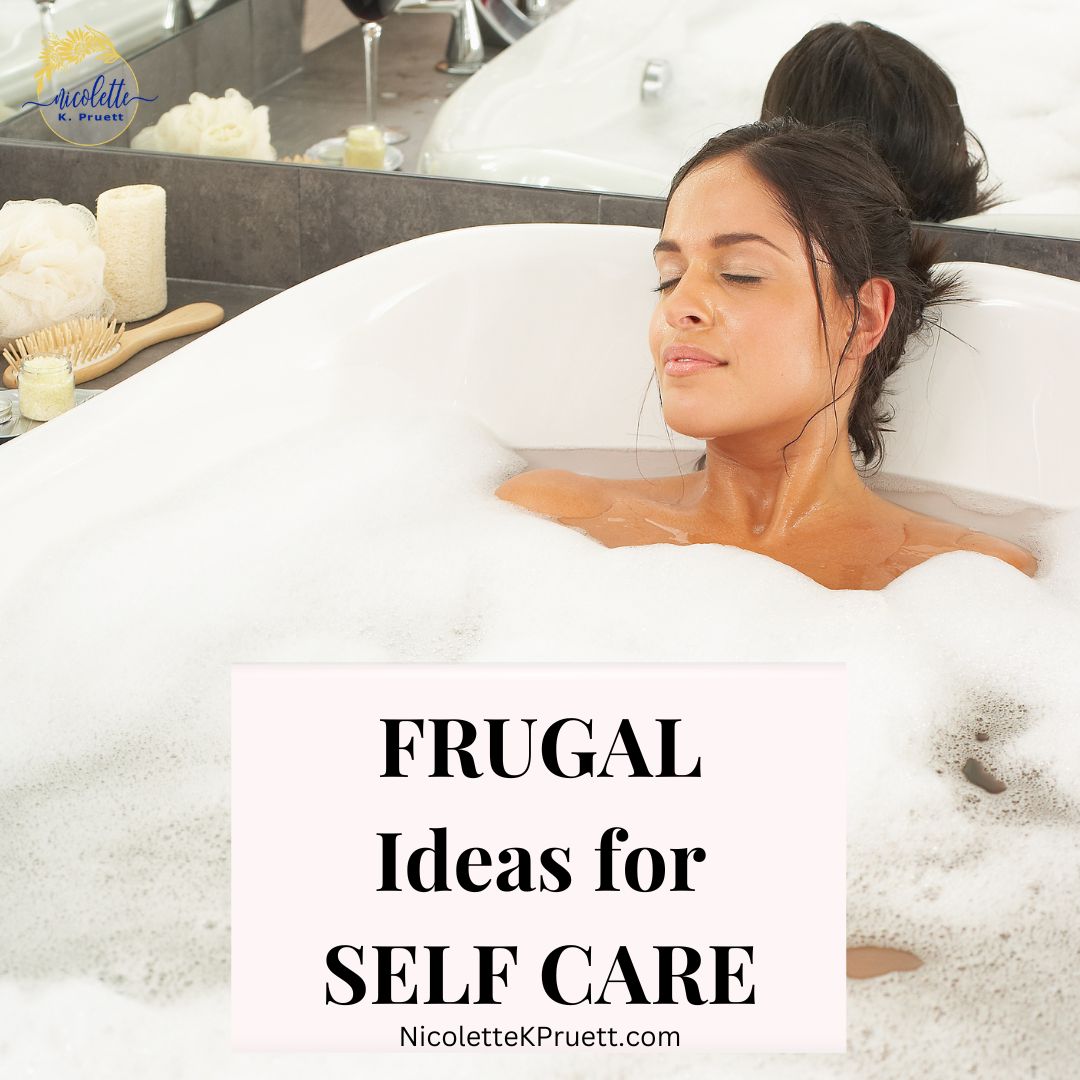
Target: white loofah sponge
x=131, y=231
x=51, y=267
x=228, y=126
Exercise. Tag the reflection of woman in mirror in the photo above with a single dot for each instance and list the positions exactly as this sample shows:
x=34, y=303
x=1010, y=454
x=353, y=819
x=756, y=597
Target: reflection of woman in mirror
x=790, y=281
x=904, y=103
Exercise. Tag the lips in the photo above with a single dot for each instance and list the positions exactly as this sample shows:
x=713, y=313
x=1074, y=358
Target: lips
x=682, y=359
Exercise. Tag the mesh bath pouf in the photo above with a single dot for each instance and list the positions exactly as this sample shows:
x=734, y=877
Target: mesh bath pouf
x=51, y=267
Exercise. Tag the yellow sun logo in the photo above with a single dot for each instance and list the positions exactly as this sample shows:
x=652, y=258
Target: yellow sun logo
x=59, y=53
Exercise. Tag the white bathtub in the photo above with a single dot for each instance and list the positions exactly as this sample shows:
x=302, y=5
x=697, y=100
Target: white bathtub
x=241, y=501
x=563, y=106
x=540, y=332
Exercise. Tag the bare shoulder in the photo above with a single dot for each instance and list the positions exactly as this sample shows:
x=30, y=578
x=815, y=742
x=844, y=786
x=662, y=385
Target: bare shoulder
x=1011, y=553
x=557, y=493
x=937, y=537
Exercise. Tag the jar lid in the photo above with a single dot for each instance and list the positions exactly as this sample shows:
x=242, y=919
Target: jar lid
x=364, y=135
x=46, y=365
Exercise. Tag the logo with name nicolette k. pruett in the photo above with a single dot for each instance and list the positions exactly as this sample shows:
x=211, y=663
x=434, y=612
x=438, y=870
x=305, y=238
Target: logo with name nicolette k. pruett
x=97, y=97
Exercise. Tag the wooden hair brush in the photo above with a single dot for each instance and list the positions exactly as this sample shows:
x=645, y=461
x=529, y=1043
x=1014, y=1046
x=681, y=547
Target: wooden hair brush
x=96, y=346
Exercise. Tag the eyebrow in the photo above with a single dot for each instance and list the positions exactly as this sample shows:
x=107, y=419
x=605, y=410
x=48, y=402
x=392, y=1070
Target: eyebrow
x=724, y=240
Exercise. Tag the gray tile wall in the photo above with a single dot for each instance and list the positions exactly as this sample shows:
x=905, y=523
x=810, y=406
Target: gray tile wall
x=270, y=224
x=345, y=214
x=235, y=221
x=631, y=210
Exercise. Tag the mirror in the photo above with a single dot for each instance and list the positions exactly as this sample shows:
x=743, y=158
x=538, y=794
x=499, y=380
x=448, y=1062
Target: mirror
x=132, y=26
x=603, y=95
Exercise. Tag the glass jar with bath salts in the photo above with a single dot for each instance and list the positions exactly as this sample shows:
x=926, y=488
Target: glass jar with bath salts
x=365, y=147
x=46, y=387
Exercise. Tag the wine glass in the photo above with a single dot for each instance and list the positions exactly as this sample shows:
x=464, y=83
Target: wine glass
x=372, y=12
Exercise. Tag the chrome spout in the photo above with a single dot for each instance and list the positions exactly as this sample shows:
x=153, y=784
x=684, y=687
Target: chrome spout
x=655, y=80
x=465, y=47
x=45, y=14
x=178, y=16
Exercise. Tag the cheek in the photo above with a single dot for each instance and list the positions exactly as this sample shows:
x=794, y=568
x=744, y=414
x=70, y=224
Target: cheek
x=656, y=334
x=781, y=353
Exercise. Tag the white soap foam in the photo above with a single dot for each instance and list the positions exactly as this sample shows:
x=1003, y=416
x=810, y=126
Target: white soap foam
x=373, y=534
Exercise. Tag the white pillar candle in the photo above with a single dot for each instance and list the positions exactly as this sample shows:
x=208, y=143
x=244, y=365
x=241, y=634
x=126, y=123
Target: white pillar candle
x=131, y=232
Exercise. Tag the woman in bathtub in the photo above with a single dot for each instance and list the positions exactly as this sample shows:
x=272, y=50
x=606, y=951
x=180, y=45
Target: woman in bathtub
x=790, y=280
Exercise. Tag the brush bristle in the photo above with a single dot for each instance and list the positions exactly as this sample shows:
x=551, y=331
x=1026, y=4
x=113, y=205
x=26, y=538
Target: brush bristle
x=82, y=341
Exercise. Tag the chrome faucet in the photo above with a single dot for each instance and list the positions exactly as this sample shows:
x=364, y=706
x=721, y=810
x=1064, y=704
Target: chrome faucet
x=655, y=80
x=178, y=16
x=45, y=13
x=465, y=47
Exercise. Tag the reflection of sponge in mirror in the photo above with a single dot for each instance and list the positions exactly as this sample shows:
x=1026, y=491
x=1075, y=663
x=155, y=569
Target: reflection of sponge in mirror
x=228, y=126
x=131, y=232
x=224, y=140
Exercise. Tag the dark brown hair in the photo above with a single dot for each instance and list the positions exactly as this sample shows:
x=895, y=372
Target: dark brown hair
x=904, y=103
x=841, y=199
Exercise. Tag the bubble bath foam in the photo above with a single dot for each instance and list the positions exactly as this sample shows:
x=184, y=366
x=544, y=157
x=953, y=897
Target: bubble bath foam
x=114, y=816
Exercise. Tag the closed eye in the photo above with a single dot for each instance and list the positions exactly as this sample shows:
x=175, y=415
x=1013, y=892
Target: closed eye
x=735, y=279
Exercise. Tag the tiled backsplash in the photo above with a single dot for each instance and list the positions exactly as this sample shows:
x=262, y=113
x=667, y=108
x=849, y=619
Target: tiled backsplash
x=258, y=223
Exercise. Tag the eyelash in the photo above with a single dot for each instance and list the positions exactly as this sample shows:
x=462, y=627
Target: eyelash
x=735, y=279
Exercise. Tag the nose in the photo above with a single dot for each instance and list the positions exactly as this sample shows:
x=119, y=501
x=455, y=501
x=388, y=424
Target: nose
x=690, y=302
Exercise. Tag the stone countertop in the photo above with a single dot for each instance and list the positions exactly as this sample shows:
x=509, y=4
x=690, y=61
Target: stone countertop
x=328, y=95
x=233, y=298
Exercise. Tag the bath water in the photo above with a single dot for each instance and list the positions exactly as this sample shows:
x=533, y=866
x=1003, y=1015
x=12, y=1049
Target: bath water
x=371, y=534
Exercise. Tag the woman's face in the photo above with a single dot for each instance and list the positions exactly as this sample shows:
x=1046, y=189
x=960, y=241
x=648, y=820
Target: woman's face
x=736, y=285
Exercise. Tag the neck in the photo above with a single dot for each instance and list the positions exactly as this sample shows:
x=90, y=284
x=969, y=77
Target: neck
x=748, y=487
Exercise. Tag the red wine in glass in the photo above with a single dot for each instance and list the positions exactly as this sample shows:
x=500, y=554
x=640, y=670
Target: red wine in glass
x=370, y=10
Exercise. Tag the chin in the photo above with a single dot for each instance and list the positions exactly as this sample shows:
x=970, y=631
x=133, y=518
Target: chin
x=694, y=427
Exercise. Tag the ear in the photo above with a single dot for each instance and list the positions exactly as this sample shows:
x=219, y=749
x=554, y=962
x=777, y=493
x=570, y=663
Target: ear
x=876, y=300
